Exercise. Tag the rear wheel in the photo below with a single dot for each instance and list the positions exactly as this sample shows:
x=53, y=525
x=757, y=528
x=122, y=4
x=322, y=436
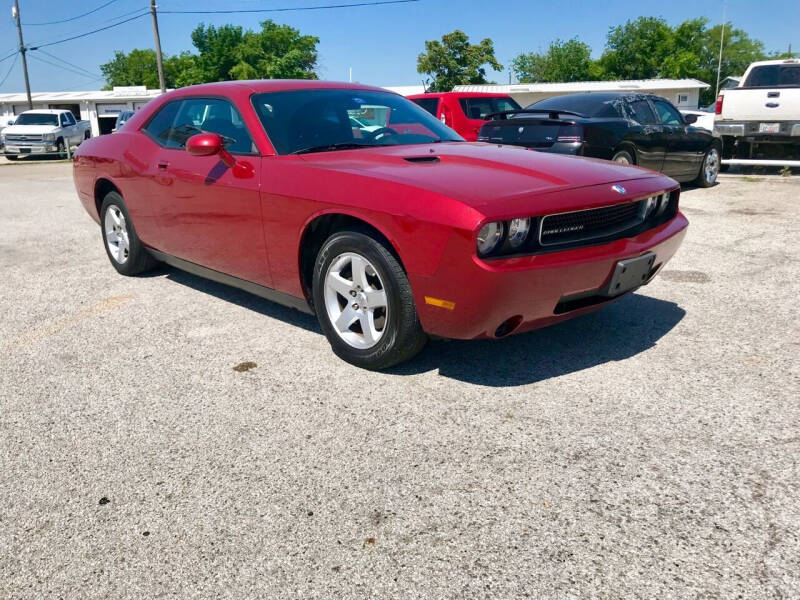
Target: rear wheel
x=709, y=169
x=123, y=247
x=623, y=157
x=364, y=304
x=11, y=157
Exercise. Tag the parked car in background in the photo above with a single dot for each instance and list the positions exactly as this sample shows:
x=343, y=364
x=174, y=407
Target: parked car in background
x=43, y=131
x=465, y=112
x=761, y=117
x=705, y=116
x=122, y=118
x=388, y=235
x=627, y=128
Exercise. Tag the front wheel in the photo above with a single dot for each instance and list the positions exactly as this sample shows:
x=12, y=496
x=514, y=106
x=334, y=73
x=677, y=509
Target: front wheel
x=123, y=247
x=709, y=169
x=364, y=304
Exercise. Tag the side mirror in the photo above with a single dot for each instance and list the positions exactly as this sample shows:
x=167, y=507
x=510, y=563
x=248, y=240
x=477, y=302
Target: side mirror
x=689, y=119
x=209, y=144
x=11, y=121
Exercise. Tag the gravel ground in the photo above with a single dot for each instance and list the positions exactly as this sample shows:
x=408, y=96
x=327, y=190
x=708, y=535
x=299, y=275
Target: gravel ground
x=646, y=451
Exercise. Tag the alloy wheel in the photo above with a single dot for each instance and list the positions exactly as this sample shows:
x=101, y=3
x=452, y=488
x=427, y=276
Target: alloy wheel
x=355, y=300
x=711, y=166
x=117, y=237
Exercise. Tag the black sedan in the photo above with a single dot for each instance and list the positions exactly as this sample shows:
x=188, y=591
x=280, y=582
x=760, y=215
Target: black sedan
x=640, y=129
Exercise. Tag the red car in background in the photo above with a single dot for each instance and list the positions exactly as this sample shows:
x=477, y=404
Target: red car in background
x=465, y=112
x=389, y=230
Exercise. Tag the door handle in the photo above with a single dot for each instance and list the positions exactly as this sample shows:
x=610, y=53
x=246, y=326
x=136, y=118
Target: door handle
x=163, y=165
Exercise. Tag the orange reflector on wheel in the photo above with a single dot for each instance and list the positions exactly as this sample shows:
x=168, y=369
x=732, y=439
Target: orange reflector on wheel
x=440, y=303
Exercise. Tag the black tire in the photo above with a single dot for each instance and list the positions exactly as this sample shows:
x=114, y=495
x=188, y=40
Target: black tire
x=87, y=135
x=11, y=157
x=402, y=336
x=138, y=259
x=623, y=157
x=707, y=176
x=61, y=149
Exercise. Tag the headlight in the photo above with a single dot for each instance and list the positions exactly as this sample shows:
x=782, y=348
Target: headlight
x=49, y=137
x=489, y=237
x=648, y=206
x=518, y=231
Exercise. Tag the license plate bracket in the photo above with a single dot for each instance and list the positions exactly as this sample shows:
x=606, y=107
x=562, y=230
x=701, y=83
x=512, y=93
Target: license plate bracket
x=769, y=128
x=629, y=274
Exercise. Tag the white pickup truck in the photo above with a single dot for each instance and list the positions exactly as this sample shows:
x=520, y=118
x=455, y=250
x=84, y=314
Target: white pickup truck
x=43, y=131
x=760, y=119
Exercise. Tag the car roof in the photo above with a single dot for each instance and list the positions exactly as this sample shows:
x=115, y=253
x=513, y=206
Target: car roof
x=275, y=85
x=457, y=95
x=46, y=111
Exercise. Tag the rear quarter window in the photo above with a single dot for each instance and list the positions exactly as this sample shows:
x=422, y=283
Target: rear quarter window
x=429, y=104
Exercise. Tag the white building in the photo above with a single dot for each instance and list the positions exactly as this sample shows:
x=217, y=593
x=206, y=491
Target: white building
x=683, y=93
x=100, y=107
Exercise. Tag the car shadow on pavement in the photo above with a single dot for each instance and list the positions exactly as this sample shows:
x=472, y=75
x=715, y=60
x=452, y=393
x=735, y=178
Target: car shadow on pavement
x=619, y=331
x=616, y=332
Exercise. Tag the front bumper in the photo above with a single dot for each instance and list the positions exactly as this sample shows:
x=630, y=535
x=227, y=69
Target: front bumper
x=22, y=149
x=533, y=291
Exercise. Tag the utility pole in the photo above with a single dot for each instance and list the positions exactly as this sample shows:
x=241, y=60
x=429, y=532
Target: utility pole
x=159, y=60
x=22, y=49
x=721, y=40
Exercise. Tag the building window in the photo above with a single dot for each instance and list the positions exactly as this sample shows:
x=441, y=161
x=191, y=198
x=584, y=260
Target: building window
x=683, y=98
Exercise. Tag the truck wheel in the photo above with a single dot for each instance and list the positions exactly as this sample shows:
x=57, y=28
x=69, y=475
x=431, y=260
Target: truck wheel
x=61, y=150
x=11, y=157
x=364, y=304
x=123, y=247
x=87, y=135
x=709, y=169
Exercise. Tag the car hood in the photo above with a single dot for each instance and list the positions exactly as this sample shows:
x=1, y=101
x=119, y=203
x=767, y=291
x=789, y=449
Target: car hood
x=476, y=173
x=30, y=129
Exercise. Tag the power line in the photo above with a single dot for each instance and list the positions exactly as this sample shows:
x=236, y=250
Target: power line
x=287, y=9
x=94, y=10
x=63, y=68
x=66, y=62
x=75, y=37
x=5, y=58
x=68, y=65
x=16, y=55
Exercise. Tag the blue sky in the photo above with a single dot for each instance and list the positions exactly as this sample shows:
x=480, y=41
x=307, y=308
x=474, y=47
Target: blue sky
x=380, y=43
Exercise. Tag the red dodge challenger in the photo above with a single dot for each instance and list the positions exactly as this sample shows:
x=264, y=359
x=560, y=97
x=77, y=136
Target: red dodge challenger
x=355, y=204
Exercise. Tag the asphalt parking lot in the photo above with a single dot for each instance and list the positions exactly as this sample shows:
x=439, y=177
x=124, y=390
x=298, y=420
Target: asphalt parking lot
x=649, y=450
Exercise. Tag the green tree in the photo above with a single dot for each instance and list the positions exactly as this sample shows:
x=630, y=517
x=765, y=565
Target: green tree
x=638, y=49
x=138, y=67
x=564, y=61
x=276, y=52
x=454, y=61
x=224, y=53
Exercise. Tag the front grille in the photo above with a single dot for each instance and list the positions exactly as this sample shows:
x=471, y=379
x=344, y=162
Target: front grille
x=19, y=137
x=583, y=225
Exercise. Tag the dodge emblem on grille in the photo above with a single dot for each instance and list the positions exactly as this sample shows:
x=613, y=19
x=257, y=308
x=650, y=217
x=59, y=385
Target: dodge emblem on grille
x=619, y=189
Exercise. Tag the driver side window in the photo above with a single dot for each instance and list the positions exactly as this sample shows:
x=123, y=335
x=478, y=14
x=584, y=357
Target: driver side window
x=179, y=120
x=667, y=113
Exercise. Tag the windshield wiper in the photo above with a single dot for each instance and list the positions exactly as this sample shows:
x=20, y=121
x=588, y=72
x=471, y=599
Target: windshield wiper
x=329, y=147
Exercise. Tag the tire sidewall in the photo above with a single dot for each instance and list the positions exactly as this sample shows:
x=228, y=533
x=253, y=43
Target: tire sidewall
x=351, y=241
x=129, y=267
x=631, y=160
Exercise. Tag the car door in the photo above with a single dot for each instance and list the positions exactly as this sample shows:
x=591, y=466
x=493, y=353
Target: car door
x=684, y=144
x=67, y=131
x=645, y=133
x=208, y=213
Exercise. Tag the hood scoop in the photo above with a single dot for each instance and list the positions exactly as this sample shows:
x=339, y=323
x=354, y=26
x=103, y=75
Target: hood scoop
x=421, y=159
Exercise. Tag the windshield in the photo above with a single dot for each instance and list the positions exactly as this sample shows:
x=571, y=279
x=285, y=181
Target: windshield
x=317, y=120
x=479, y=108
x=36, y=119
x=774, y=76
